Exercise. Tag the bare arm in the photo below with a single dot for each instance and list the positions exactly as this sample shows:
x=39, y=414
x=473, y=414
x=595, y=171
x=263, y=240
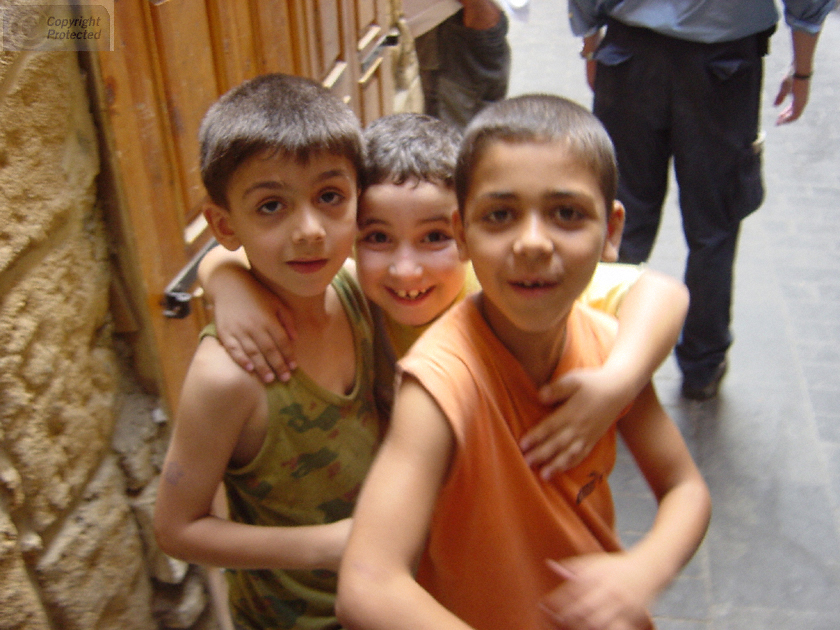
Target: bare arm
x=650, y=318
x=376, y=586
x=217, y=401
x=804, y=47
x=610, y=590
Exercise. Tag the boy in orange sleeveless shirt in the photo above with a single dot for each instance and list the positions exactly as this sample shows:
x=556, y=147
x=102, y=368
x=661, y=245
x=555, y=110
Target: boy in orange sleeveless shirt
x=498, y=546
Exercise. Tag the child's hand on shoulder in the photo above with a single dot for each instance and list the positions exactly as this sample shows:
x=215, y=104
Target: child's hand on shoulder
x=254, y=327
x=588, y=402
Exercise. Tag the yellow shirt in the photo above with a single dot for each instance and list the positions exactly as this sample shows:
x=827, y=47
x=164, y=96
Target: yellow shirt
x=609, y=284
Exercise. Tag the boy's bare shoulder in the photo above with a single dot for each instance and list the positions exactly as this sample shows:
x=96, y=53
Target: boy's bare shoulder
x=213, y=374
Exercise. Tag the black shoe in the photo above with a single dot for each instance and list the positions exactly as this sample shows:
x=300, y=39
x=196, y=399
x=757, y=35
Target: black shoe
x=710, y=389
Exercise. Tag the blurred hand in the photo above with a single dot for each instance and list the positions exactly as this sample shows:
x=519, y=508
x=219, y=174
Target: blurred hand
x=600, y=592
x=798, y=90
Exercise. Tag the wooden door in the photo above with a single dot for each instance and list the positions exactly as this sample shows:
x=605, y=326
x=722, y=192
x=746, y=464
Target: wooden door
x=172, y=59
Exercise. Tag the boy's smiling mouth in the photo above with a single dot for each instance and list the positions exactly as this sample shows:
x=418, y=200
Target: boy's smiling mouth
x=534, y=285
x=414, y=294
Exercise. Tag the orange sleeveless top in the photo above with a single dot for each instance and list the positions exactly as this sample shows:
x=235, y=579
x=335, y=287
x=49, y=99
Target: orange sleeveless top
x=496, y=521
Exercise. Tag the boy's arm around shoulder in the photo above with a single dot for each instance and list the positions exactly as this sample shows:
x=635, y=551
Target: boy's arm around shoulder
x=650, y=318
x=218, y=400
x=376, y=587
x=651, y=311
x=252, y=323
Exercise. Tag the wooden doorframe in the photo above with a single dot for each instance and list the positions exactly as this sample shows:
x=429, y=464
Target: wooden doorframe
x=149, y=199
x=145, y=190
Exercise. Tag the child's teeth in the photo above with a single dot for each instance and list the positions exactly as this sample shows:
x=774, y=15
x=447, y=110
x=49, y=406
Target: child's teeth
x=409, y=294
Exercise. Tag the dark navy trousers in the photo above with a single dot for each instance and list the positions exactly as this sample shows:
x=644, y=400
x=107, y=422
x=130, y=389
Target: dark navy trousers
x=664, y=99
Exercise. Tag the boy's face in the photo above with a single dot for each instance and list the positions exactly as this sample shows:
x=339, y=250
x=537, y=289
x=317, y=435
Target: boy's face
x=407, y=258
x=535, y=225
x=296, y=221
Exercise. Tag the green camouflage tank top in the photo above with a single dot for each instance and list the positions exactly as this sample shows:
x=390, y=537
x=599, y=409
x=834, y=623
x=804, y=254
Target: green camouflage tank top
x=318, y=448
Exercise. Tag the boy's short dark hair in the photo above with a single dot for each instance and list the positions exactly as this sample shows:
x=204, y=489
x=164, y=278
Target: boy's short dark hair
x=406, y=146
x=539, y=118
x=294, y=116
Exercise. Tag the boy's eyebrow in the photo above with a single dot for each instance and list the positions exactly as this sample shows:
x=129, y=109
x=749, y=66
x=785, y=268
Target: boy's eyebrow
x=554, y=194
x=266, y=185
x=271, y=184
x=440, y=218
x=563, y=194
x=437, y=219
x=337, y=172
x=373, y=221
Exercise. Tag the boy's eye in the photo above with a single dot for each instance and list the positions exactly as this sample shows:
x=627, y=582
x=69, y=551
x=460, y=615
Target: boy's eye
x=375, y=238
x=270, y=207
x=331, y=197
x=566, y=214
x=436, y=236
x=498, y=216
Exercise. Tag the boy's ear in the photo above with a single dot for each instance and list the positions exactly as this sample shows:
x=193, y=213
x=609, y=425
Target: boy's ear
x=615, y=227
x=460, y=238
x=218, y=218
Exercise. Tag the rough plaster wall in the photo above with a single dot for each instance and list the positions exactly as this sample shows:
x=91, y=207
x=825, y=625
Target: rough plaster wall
x=71, y=555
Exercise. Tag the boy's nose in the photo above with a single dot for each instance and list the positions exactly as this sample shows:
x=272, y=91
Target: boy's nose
x=404, y=266
x=308, y=227
x=533, y=238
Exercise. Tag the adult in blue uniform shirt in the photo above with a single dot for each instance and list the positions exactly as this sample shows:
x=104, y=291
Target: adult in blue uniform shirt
x=682, y=79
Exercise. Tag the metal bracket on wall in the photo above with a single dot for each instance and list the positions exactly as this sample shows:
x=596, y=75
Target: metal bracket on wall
x=177, y=296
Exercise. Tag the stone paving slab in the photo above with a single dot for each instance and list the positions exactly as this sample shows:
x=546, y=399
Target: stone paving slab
x=769, y=445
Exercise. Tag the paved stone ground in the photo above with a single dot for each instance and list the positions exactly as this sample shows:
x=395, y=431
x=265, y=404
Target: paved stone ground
x=769, y=445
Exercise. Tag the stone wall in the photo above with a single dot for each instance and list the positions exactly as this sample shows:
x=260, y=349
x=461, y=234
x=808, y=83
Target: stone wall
x=80, y=445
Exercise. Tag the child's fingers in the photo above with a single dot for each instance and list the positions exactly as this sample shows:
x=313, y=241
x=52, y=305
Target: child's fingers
x=531, y=440
x=260, y=366
x=239, y=356
x=279, y=354
x=558, y=452
x=559, y=391
x=544, y=440
x=568, y=458
x=560, y=569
